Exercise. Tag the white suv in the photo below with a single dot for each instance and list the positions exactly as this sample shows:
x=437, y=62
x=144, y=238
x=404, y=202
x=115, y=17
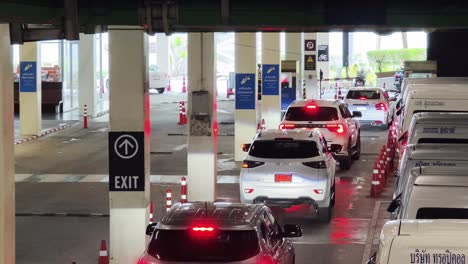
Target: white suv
x=291, y=169
x=334, y=120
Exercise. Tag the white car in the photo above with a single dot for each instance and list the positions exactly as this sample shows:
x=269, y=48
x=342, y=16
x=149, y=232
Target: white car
x=291, y=169
x=373, y=103
x=334, y=120
x=422, y=241
x=158, y=80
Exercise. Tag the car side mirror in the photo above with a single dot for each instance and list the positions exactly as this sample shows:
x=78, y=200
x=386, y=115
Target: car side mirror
x=372, y=259
x=334, y=148
x=394, y=204
x=357, y=114
x=150, y=229
x=292, y=231
x=245, y=147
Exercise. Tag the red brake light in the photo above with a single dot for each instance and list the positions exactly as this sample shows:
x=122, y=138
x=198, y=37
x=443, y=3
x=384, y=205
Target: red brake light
x=337, y=128
x=362, y=98
x=381, y=106
x=202, y=229
x=311, y=107
x=287, y=126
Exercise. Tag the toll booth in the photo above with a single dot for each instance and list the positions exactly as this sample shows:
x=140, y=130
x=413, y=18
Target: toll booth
x=289, y=73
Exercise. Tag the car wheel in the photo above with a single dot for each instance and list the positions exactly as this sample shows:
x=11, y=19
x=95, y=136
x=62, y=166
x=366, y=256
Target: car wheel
x=325, y=214
x=160, y=90
x=357, y=149
x=345, y=162
x=332, y=201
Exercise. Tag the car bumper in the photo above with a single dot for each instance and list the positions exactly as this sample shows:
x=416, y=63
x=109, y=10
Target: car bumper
x=374, y=118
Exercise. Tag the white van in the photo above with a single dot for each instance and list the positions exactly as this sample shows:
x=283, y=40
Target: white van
x=431, y=101
x=422, y=241
x=429, y=155
x=437, y=128
x=428, y=81
x=433, y=193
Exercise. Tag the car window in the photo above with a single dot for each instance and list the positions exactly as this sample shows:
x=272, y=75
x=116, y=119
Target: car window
x=363, y=94
x=345, y=111
x=442, y=213
x=315, y=114
x=222, y=246
x=284, y=149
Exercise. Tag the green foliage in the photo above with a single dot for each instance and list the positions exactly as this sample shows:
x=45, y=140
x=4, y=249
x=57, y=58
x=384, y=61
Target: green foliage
x=390, y=60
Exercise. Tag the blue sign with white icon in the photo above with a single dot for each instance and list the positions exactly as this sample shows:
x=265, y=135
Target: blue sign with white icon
x=270, y=79
x=28, y=77
x=245, y=91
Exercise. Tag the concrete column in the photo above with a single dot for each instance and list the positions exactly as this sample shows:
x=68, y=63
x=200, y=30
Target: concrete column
x=87, y=73
x=245, y=116
x=203, y=138
x=310, y=74
x=129, y=112
x=162, y=52
x=7, y=152
x=271, y=92
x=323, y=40
x=294, y=52
x=30, y=89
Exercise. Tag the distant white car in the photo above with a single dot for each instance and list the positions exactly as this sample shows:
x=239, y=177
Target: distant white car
x=290, y=169
x=335, y=121
x=159, y=80
x=373, y=103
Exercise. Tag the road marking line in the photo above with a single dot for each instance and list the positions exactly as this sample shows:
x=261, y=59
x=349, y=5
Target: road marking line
x=371, y=233
x=22, y=177
x=93, y=178
x=180, y=147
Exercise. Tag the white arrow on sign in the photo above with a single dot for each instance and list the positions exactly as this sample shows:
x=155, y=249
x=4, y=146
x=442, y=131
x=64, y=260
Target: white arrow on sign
x=126, y=146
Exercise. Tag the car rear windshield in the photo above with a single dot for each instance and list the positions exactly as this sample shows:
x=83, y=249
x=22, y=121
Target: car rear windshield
x=185, y=246
x=316, y=114
x=284, y=149
x=363, y=94
x=442, y=213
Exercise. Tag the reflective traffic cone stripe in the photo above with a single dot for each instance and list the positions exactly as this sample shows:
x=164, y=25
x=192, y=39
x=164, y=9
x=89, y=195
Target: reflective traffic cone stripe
x=263, y=124
x=151, y=213
x=85, y=116
x=168, y=199
x=183, y=190
x=181, y=118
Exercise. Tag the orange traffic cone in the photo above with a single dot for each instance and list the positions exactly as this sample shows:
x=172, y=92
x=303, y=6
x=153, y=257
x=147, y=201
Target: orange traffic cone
x=103, y=256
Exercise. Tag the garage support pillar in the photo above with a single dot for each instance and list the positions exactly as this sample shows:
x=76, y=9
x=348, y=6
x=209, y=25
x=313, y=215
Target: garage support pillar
x=323, y=40
x=294, y=52
x=7, y=154
x=162, y=52
x=271, y=70
x=30, y=92
x=203, y=127
x=310, y=72
x=129, y=112
x=245, y=115
x=87, y=73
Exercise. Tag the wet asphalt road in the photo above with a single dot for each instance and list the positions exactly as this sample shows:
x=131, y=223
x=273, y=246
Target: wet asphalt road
x=346, y=239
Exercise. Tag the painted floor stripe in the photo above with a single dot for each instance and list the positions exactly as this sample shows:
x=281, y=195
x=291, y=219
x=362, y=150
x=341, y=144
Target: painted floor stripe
x=371, y=233
x=55, y=178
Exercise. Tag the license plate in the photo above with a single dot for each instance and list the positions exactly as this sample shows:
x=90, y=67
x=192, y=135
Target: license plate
x=361, y=108
x=283, y=178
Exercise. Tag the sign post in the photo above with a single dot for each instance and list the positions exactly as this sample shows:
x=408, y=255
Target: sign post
x=126, y=161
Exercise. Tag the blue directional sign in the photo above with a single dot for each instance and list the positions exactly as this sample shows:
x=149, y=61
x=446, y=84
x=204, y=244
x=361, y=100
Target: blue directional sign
x=270, y=79
x=245, y=90
x=288, y=95
x=28, y=77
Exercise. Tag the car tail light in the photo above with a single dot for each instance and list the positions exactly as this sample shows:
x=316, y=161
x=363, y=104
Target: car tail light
x=248, y=164
x=381, y=106
x=311, y=107
x=337, y=128
x=316, y=164
x=287, y=126
x=203, y=229
x=266, y=260
x=318, y=191
x=248, y=190
x=362, y=98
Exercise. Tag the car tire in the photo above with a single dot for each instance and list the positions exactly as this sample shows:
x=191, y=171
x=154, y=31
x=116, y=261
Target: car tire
x=332, y=201
x=325, y=214
x=160, y=90
x=345, y=162
x=357, y=149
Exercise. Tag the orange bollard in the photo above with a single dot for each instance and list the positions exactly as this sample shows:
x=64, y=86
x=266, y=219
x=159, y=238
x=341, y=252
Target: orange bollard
x=151, y=213
x=168, y=199
x=85, y=117
x=375, y=183
x=263, y=124
x=183, y=190
x=103, y=256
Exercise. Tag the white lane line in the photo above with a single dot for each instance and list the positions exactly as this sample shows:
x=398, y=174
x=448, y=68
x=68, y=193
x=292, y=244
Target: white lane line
x=93, y=178
x=54, y=178
x=180, y=147
x=22, y=177
x=371, y=233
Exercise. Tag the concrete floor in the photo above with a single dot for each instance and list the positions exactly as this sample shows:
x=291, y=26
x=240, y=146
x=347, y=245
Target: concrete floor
x=79, y=154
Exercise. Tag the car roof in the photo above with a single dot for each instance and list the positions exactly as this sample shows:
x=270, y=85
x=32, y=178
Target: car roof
x=320, y=102
x=440, y=176
x=314, y=134
x=225, y=215
x=441, y=117
x=366, y=88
